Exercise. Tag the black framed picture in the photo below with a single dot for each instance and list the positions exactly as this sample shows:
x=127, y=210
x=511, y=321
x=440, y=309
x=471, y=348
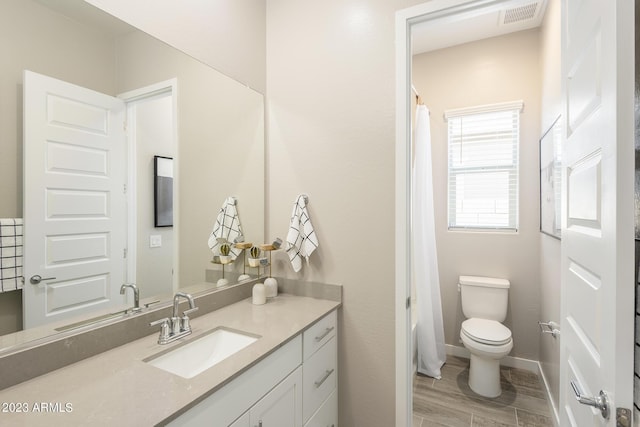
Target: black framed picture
x=551, y=180
x=163, y=191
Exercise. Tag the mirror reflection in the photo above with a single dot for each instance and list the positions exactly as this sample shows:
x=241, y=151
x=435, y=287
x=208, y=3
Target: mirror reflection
x=211, y=125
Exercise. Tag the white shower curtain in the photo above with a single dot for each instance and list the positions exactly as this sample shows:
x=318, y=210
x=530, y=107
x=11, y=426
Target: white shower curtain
x=430, y=329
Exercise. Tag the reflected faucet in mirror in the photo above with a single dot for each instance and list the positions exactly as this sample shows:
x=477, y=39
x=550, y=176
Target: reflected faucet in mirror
x=136, y=296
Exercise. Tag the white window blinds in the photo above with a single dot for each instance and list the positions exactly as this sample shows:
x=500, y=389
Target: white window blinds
x=483, y=166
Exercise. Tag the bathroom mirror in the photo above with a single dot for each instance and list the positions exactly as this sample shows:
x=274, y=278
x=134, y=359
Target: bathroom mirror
x=218, y=150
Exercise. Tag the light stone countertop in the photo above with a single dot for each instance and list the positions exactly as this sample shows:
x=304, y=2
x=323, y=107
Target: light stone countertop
x=118, y=388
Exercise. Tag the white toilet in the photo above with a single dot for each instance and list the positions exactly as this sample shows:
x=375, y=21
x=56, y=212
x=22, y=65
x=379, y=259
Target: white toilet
x=484, y=304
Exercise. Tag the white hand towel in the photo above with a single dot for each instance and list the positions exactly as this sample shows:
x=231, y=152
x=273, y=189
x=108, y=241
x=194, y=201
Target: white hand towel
x=10, y=254
x=227, y=227
x=301, y=238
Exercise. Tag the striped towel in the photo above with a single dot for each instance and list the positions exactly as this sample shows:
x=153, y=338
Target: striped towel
x=227, y=227
x=10, y=254
x=301, y=239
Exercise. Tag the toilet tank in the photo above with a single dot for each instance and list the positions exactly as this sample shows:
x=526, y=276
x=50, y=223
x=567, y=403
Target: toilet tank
x=484, y=297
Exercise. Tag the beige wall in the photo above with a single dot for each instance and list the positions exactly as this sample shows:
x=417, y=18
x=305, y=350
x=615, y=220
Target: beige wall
x=225, y=34
x=330, y=89
x=35, y=38
x=494, y=70
x=220, y=140
x=154, y=137
x=550, y=247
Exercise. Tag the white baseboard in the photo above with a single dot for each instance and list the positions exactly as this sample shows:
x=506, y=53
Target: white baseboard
x=552, y=405
x=510, y=361
x=519, y=363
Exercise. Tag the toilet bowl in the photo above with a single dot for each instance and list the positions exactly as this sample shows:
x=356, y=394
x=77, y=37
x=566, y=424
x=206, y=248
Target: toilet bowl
x=484, y=303
x=488, y=341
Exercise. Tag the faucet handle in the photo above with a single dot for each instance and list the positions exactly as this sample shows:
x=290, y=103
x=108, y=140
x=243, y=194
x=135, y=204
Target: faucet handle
x=184, y=321
x=159, y=321
x=191, y=310
x=147, y=304
x=164, y=329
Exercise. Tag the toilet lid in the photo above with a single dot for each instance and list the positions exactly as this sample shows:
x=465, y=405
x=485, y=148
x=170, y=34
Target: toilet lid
x=486, y=331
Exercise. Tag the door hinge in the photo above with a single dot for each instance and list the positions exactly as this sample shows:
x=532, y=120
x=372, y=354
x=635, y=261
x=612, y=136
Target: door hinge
x=124, y=188
x=124, y=125
x=408, y=302
x=623, y=417
x=124, y=253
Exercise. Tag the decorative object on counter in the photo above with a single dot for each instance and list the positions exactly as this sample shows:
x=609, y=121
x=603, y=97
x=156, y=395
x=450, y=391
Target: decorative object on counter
x=225, y=249
x=243, y=246
x=11, y=254
x=301, y=238
x=259, y=294
x=271, y=287
x=226, y=227
x=224, y=258
x=254, y=257
x=271, y=284
x=277, y=243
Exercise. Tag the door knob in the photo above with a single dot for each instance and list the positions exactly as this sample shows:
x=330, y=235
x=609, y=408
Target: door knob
x=600, y=402
x=34, y=280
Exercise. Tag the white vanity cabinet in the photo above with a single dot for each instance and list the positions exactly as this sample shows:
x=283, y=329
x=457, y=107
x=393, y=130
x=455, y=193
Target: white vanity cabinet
x=281, y=407
x=320, y=373
x=293, y=387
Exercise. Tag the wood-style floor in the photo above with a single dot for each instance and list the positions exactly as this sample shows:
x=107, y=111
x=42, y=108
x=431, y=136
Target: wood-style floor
x=450, y=402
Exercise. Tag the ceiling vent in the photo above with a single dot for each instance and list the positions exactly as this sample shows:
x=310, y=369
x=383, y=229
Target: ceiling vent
x=520, y=14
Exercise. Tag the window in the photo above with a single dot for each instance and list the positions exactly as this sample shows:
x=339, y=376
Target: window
x=483, y=166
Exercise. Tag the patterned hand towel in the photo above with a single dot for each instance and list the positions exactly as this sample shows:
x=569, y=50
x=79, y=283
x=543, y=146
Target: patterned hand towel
x=10, y=254
x=227, y=227
x=301, y=238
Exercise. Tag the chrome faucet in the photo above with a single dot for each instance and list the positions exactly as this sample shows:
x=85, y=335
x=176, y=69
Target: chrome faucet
x=176, y=327
x=136, y=296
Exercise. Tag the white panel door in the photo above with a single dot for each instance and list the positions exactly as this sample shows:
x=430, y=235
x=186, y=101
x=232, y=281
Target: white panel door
x=282, y=406
x=74, y=202
x=597, y=232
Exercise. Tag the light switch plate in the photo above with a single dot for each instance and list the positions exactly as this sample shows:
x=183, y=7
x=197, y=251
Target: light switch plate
x=155, y=241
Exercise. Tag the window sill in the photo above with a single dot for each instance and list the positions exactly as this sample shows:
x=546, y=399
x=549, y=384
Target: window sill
x=484, y=231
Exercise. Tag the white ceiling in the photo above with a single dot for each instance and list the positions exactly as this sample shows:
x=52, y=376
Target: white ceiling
x=426, y=36
x=477, y=25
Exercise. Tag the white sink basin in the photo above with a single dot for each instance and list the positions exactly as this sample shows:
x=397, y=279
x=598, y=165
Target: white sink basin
x=202, y=353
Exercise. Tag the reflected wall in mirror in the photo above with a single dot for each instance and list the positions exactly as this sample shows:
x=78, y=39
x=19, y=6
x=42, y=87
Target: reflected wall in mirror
x=218, y=142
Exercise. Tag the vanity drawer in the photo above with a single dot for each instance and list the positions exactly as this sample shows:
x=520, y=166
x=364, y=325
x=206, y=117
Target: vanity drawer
x=327, y=415
x=319, y=333
x=319, y=378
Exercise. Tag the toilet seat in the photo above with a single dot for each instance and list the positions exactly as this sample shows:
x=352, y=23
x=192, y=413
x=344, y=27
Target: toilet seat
x=485, y=331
